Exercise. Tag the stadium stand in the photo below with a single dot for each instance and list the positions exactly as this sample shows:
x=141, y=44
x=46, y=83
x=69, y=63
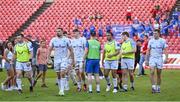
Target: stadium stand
x=14, y=13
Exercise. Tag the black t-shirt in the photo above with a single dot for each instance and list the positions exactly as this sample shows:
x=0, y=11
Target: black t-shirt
x=138, y=52
x=35, y=45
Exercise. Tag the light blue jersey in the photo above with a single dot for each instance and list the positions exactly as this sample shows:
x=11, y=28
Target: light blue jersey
x=78, y=46
x=60, y=46
x=156, y=47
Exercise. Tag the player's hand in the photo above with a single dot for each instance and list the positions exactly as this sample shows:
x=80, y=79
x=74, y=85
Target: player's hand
x=102, y=63
x=109, y=56
x=47, y=61
x=123, y=52
x=146, y=63
x=73, y=63
x=28, y=64
x=11, y=62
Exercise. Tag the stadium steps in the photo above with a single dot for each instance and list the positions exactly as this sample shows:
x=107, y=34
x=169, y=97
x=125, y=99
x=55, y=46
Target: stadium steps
x=34, y=16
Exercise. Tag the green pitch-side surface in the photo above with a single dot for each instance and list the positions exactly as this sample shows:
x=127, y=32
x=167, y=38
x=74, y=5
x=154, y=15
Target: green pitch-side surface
x=170, y=90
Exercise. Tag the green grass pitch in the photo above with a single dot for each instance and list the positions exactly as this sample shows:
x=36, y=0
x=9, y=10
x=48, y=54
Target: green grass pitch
x=170, y=90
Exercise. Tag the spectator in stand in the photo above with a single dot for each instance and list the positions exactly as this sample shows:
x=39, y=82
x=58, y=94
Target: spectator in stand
x=98, y=15
x=77, y=21
x=86, y=33
x=132, y=32
x=175, y=15
x=154, y=12
x=148, y=29
x=140, y=31
x=100, y=31
x=164, y=28
x=142, y=56
x=135, y=26
x=156, y=25
x=92, y=16
x=108, y=27
x=129, y=14
x=92, y=28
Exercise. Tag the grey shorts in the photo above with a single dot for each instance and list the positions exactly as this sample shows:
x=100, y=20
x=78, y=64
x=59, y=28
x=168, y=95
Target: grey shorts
x=111, y=65
x=156, y=62
x=127, y=63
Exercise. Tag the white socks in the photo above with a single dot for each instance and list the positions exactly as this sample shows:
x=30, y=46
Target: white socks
x=125, y=87
x=90, y=87
x=97, y=87
x=107, y=80
x=62, y=84
x=59, y=84
x=79, y=84
x=19, y=82
x=156, y=86
x=132, y=84
x=115, y=82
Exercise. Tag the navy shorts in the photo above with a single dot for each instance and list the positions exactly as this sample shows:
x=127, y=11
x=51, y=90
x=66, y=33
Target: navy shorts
x=92, y=66
x=42, y=67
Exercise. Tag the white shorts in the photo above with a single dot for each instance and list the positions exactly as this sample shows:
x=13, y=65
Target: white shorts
x=79, y=66
x=111, y=65
x=156, y=62
x=61, y=66
x=127, y=63
x=23, y=66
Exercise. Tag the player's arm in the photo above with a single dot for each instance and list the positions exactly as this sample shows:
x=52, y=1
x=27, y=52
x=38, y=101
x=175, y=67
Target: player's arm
x=30, y=48
x=86, y=51
x=166, y=55
x=49, y=51
x=51, y=46
x=71, y=54
x=14, y=56
x=117, y=51
x=103, y=56
x=147, y=54
x=5, y=55
x=165, y=52
x=37, y=55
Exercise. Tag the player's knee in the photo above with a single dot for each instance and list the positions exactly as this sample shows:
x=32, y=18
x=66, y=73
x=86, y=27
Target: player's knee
x=18, y=75
x=106, y=75
x=114, y=75
x=28, y=75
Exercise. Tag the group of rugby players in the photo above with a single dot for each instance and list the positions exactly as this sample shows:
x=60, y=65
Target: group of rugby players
x=85, y=57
